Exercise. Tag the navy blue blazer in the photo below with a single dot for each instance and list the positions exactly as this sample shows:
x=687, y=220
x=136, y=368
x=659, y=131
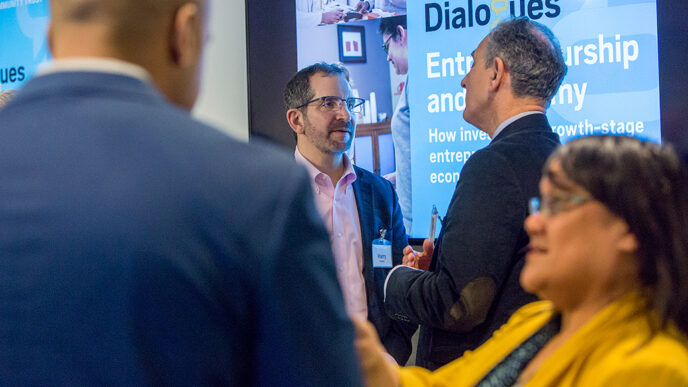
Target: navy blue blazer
x=141, y=247
x=482, y=236
x=378, y=207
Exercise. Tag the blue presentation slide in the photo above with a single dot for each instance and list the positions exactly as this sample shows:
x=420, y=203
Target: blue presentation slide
x=23, y=42
x=612, y=85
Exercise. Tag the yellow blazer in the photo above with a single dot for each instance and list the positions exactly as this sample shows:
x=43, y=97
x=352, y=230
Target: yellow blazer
x=615, y=348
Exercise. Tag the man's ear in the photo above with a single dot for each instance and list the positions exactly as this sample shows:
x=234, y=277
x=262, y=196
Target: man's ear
x=295, y=120
x=498, y=74
x=186, y=35
x=402, y=35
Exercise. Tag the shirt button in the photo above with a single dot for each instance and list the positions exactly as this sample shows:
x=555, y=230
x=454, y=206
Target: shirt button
x=339, y=234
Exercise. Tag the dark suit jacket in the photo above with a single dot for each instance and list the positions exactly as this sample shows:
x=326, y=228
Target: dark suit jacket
x=141, y=247
x=378, y=207
x=482, y=237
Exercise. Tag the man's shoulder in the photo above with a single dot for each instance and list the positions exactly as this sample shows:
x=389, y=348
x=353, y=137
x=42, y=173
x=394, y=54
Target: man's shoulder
x=147, y=124
x=365, y=177
x=489, y=157
x=527, y=141
x=270, y=156
x=258, y=164
x=202, y=143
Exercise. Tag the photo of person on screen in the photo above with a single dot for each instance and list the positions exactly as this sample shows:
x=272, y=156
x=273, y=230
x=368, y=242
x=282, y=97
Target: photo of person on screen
x=394, y=37
x=392, y=6
x=312, y=13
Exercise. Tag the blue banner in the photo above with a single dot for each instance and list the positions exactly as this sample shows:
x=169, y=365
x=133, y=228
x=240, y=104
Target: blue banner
x=23, y=40
x=612, y=86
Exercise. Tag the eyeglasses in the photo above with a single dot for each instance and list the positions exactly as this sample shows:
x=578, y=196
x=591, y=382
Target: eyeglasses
x=385, y=46
x=553, y=205
x=331, y=103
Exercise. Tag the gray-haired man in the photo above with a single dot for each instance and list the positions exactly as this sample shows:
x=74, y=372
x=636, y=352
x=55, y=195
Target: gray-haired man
x=472, y=285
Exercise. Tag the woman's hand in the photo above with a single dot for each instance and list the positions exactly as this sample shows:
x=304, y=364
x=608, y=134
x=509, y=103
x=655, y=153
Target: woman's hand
x=377, y=367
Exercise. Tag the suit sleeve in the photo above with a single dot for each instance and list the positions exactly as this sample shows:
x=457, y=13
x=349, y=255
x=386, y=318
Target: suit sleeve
x=478, y=241
x=398, y=340
x=307, y=338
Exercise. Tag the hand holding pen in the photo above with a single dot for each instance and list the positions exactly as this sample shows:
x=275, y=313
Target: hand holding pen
x=419, y=259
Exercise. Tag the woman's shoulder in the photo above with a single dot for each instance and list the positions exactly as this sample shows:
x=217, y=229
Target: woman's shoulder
x=666, y=348
x=638, y=355
x=663, y=361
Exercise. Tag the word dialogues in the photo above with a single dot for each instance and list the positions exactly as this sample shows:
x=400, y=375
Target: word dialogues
x=437, y=15
x=12, y=74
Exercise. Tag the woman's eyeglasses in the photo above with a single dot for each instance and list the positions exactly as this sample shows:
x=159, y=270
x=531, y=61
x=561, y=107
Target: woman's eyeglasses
x=553, y=205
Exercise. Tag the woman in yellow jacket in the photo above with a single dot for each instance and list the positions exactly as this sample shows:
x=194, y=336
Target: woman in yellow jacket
x=609, y=258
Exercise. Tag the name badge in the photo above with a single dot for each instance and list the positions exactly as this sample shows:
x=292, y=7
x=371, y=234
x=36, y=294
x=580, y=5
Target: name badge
x=382, y=251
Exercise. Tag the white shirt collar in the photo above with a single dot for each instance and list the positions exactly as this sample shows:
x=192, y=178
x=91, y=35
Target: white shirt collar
x=93, y=64
x=508, y=121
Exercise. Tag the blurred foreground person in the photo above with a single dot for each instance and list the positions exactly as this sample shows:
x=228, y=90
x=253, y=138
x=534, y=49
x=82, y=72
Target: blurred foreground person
x=608, y=258
x=141, y=247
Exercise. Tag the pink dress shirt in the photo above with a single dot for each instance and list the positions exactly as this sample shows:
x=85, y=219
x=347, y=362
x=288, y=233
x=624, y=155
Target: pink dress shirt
x=337, y=207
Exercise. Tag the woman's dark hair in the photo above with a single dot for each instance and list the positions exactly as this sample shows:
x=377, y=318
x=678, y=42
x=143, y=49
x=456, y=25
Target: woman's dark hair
x=646, y=185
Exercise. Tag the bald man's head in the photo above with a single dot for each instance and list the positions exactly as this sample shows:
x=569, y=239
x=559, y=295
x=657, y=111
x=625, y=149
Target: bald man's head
x=163, y=36
x=127, y=24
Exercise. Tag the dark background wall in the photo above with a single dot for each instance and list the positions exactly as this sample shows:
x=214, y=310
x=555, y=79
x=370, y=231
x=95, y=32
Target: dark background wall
x=271, y=46
x=672, y=18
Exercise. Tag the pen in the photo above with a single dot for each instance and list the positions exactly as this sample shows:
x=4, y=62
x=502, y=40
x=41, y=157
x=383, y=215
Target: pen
x=433, y=223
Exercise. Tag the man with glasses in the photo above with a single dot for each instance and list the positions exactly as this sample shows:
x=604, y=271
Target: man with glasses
x=393, y=30
x=472, y=286
x=360, y=209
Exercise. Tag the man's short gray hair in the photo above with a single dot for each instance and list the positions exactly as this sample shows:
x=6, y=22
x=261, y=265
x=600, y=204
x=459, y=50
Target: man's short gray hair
x=532, y=56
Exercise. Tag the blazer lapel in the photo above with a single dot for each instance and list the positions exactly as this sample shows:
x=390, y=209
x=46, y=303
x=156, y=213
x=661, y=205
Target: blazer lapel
x=366, y=211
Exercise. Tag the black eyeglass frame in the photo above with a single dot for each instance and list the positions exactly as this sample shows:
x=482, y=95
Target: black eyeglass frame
x=351, y=103
x=385, y=46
